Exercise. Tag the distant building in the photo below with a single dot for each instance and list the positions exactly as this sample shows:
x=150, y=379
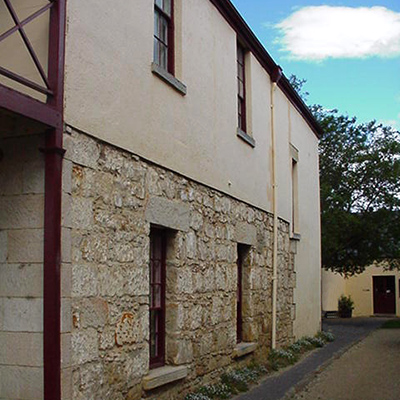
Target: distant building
x=375, y=292
x=159, y=199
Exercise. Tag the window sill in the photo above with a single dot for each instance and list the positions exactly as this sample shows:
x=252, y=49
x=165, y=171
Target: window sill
x=169, y=79
x=163, y=375
x=243, y=349
x=247, y=138
x=295, y=236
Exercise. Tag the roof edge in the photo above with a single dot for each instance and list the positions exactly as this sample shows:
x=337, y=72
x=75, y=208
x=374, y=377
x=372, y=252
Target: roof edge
x=249, y=39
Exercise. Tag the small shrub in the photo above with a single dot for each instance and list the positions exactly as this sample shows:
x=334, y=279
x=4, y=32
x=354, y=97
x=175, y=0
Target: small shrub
x=281, y=358
x=317, y=342
x=305, y=343
x=326, y=336
x=196, y=396
x=218, y=391
x=236, y=380
x=295, y=348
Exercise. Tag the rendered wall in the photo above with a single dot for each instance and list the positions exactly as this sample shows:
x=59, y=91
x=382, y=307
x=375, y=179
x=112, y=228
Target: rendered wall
x=21, y=265
x=333, y=286
x=360, y=287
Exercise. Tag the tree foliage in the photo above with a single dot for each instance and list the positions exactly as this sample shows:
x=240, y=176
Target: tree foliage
x=360, y=192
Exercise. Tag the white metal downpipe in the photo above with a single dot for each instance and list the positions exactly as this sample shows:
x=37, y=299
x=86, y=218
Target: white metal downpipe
x=275, y=79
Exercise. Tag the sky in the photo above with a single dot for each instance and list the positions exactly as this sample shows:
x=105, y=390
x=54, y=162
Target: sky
x=348, y=51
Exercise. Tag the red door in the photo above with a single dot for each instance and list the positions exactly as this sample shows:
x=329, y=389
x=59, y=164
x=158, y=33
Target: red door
x=384, y=295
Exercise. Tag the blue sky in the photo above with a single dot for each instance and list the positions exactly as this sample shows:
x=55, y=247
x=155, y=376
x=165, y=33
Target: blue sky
x=349, y=51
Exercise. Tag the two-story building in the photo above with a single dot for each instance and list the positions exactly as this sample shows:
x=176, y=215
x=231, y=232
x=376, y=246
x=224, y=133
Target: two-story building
x=159, y=199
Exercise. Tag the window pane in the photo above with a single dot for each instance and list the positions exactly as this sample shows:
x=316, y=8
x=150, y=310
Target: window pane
x=163, y=56
x=163, y=30
x=240, y=54
x=240, y=89
x=164, y=5
x=156, y=56
x=167, y=7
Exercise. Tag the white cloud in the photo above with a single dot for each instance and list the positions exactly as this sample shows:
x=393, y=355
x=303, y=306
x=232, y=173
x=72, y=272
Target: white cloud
x=318, y=33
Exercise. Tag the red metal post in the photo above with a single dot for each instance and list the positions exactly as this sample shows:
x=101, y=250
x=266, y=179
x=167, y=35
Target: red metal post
x=52, y=220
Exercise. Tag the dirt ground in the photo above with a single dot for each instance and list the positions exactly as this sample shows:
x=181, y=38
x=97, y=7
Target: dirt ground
x=368, y=371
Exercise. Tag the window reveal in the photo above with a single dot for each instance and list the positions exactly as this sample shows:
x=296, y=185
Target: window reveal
x=157, y=297
x=239, y=295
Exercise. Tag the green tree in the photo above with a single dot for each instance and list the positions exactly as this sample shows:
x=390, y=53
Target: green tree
x=360, y=191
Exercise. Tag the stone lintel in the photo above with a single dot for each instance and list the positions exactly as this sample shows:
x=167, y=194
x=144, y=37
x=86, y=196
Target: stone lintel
x=168, y=213
x=161, y=376
x=243, y=349
x=246, y=233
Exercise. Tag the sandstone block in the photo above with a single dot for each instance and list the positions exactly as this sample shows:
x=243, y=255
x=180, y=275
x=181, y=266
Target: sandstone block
x=161, y=376
x=33, y=176
x=179, y=351
x=82, y=213
x=25, y=246
x=21, y=348
x=243, y=349
x=84, y=344
x=83, y=150
x=21, y=315
x=67, y=176
x=168, y=213
x=246, y=233
x=21, y=382
x=3, y=246
x=21, y=280
x=25, y=211
x=85, y=280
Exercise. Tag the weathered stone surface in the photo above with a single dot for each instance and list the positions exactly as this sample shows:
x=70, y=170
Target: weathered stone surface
x=21, y=382
x=246, y=233
x=116, y=200
x=21, y=280
x=25, y=246
x=21, y=315
x=161, y=376
x=21, y=211
x=84, y=346
x=243, y=349
x=21, y=348
x=171, y=214
x=3, y=246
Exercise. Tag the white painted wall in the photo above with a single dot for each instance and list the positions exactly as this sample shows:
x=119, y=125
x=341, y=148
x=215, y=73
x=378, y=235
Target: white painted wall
x=111, y=94
x=359, y=287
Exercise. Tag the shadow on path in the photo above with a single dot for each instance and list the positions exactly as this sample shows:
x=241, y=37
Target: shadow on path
x=347, y=332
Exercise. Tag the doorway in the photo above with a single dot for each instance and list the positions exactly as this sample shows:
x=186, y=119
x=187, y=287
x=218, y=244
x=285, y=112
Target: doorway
x=384, y=295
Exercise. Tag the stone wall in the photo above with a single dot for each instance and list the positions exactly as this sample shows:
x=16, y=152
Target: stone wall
x=115, y=198
x=21, y=266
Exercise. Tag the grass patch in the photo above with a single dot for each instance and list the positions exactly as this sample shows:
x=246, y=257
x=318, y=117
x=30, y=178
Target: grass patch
x=392, y=324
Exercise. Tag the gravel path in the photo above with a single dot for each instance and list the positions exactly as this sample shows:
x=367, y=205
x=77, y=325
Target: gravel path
x=368, y=371
x=283, y=384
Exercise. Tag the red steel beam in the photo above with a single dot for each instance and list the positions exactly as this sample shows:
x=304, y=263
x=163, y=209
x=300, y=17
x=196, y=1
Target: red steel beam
x=19, y=103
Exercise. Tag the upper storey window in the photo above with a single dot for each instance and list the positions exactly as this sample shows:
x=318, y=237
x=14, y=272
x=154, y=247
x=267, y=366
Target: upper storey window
x=241, y=87
x=164, y=34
